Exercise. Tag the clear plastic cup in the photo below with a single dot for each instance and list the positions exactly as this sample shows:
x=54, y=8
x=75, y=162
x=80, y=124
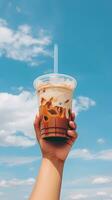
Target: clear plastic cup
x=55, y=92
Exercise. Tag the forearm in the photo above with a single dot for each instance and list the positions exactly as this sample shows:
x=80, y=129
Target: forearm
x=48, y=183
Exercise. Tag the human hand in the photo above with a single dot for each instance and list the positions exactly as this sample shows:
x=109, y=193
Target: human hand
x=56, y=149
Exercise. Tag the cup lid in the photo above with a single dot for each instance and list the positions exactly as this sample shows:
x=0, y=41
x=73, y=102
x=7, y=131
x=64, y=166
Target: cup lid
x=55, y=79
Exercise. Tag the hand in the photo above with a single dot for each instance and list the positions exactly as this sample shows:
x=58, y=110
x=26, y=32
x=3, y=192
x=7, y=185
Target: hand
x=56, y=150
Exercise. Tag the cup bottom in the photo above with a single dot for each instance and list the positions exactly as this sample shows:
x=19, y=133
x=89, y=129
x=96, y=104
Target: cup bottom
x=54, y=132
x=55, y=127
x=55, y=136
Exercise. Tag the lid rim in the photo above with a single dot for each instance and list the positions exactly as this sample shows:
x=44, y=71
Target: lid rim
x=54, y=74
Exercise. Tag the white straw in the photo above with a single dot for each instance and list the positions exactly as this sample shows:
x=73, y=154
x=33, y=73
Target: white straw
x=55, y=58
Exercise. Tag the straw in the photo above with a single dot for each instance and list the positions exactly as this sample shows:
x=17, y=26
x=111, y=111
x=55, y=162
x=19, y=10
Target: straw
x=56, y=58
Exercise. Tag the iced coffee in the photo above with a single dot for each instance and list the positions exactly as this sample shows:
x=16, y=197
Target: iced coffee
x=55, y=92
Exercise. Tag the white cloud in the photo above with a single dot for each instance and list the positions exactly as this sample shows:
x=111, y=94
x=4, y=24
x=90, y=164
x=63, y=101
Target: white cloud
x=79, y=196
x=88, y=193
x=25, y=29
x=100, y=141
x=90, y=181
x=100, y=193
x=16, y=124
x=86, y=154
x=22, y=45
x=104, y=155
x=18, y=160
x=16, y=182
x=80, y=153
x=82, y=103
x=13, y=140
x=18, y=112
x=88, y=187
x=102, y=180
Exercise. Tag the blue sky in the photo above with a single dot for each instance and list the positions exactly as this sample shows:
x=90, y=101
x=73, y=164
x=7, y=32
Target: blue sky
x=28, y=31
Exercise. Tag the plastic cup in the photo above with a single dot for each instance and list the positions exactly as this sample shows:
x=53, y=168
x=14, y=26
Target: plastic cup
x=55, y=93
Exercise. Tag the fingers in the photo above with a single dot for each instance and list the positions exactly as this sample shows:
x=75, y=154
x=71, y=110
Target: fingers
x=72, y=125
x=72, y=132
x=73, y=136
x=73, y=116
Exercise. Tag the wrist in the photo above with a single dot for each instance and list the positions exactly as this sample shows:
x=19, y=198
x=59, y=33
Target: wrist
x=59, y=164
